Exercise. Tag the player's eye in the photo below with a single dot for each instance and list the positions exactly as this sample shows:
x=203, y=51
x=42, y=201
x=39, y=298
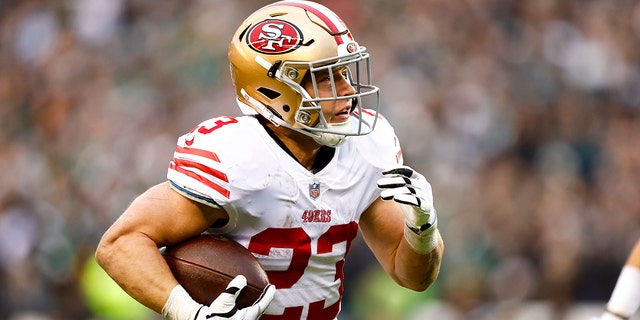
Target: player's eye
x=323, y=77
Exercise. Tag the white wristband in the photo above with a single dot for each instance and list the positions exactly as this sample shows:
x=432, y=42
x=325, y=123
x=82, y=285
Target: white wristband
x=625, y=298
x=180, y=305
x=423, y=243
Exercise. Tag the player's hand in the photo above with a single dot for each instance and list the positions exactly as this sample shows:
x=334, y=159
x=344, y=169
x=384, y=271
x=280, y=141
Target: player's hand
x=224, y=306
x=409, y=188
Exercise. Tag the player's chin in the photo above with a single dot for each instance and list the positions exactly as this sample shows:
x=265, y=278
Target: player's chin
x=340, y=118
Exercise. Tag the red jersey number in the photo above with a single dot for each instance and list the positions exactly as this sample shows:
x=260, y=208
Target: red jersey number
x=220, y=122
x=298, y=240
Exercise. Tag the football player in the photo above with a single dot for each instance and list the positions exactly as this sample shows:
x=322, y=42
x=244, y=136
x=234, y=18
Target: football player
x=310, y=164
x=625, y=298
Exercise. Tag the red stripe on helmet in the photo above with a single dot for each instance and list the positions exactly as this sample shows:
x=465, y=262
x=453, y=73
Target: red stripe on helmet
x=333, y=28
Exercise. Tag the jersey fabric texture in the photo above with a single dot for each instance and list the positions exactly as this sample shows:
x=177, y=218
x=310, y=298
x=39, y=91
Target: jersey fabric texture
x=298, y=224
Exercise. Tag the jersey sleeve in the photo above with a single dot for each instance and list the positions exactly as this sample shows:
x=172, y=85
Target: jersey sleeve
x=383, y=148
x=196, y=170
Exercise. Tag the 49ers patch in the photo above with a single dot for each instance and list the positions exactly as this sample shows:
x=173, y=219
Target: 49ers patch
x=274, y=36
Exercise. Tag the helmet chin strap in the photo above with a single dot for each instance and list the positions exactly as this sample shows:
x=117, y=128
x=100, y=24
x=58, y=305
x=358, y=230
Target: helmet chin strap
x=323, y=138
x=333, y=139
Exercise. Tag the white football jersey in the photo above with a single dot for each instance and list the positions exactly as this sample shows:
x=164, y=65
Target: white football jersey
x=298, y=224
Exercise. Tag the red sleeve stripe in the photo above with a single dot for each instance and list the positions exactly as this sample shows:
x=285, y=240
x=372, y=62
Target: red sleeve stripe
x=198, y=152
x=178, y=166
x=206, y=169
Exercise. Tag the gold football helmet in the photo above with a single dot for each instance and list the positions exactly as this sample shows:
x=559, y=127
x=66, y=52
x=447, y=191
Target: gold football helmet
x=281, y=44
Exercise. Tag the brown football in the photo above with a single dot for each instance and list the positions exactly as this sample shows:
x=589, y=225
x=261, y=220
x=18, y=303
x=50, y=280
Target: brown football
x=204, y=266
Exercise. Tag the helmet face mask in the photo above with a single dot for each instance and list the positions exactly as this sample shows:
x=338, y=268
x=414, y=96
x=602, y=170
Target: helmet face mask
x=309, y=114
x=288, y=46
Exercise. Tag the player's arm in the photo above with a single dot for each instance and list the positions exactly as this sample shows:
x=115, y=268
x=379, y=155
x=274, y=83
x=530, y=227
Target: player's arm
x=128, y=251
x=403, y=233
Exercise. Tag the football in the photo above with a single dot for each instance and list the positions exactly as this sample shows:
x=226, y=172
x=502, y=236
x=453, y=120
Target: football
x=204, y=266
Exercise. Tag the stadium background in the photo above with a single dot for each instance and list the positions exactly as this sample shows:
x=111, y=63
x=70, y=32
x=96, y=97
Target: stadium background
x=524, y=115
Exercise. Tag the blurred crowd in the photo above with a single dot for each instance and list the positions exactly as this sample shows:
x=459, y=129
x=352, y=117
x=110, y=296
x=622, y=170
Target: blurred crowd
x=524, y=116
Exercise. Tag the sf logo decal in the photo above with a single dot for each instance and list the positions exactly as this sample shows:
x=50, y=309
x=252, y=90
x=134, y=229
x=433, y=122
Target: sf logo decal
x=273, y=36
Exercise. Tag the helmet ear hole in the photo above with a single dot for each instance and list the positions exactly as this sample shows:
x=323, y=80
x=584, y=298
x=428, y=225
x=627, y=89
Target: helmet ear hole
x=271, y=94
x=286, y=108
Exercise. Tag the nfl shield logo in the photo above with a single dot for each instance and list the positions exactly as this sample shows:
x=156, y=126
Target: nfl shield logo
x=314, y=190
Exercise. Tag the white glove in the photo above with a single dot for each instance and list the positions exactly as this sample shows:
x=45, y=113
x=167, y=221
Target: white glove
x=413, y=192
x=180, y=306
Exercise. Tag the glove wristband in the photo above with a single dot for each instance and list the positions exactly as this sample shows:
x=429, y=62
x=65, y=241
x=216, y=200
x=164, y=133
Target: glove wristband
x=423, y=241
x=180, y=305
x=424, y=227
